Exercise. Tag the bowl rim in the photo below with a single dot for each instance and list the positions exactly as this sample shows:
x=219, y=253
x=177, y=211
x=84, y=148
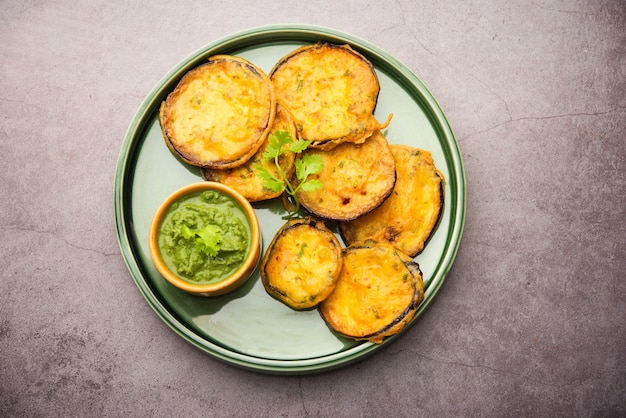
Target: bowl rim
x=239, y=276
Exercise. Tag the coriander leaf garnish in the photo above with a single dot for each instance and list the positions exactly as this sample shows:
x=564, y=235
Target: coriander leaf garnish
x=311, y=185
x=206, y=240
x=280, y=142
x=308, y=164
x=269, y=181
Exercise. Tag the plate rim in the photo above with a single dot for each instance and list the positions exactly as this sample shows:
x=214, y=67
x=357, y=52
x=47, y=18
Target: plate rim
x=141, y=119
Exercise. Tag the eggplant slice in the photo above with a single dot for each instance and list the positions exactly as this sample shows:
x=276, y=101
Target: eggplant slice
x=244, y=178
x=356, y=179
x=331, y=90
x=377, y=293
x=220, y=113
x=408, y=217
x=302, y=263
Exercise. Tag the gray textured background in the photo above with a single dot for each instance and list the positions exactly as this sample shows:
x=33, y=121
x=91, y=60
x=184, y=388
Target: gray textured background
x=530, y=321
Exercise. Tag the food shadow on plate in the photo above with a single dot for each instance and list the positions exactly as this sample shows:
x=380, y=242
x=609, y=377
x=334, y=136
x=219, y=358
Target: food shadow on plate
x=194, y=305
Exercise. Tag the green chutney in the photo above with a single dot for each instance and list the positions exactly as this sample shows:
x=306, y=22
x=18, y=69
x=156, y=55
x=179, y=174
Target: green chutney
x=204, y=237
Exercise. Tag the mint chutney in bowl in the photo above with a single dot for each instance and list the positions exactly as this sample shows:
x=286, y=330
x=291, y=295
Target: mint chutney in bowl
x=205, y=239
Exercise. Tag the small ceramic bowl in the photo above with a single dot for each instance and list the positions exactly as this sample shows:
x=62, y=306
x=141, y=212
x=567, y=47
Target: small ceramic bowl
x=224, y=285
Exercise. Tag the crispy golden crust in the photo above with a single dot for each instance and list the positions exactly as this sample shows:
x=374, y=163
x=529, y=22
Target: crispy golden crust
x=356, y=179
x=408, y=217
x=244, y=178
x=377, y=294
x=332, y=92
x=219, y=113
x=302, y=263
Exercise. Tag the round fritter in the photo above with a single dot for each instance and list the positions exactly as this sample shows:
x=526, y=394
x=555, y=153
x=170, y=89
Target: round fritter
x=377, y=293
x=408, y=217
x=244, y=178
x=301, y=265
x=356, y=179
x=332, y=92
x=219, y=113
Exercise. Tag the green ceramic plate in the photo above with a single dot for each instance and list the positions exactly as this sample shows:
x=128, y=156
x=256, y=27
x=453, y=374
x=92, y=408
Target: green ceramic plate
x=249, y=328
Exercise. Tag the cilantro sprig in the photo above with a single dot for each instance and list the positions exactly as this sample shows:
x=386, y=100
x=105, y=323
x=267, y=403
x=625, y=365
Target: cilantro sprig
x=207, y=240
x=279, y=143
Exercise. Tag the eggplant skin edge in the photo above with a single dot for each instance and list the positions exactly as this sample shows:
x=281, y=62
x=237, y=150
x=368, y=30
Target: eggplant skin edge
x=286, y=273
x=191, y=148
x=293, y=73
x=405, y=219
x=356, y=178
x=396, y=324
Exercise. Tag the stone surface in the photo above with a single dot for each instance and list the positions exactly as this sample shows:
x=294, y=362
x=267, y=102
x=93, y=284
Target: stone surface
x=530, y=321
